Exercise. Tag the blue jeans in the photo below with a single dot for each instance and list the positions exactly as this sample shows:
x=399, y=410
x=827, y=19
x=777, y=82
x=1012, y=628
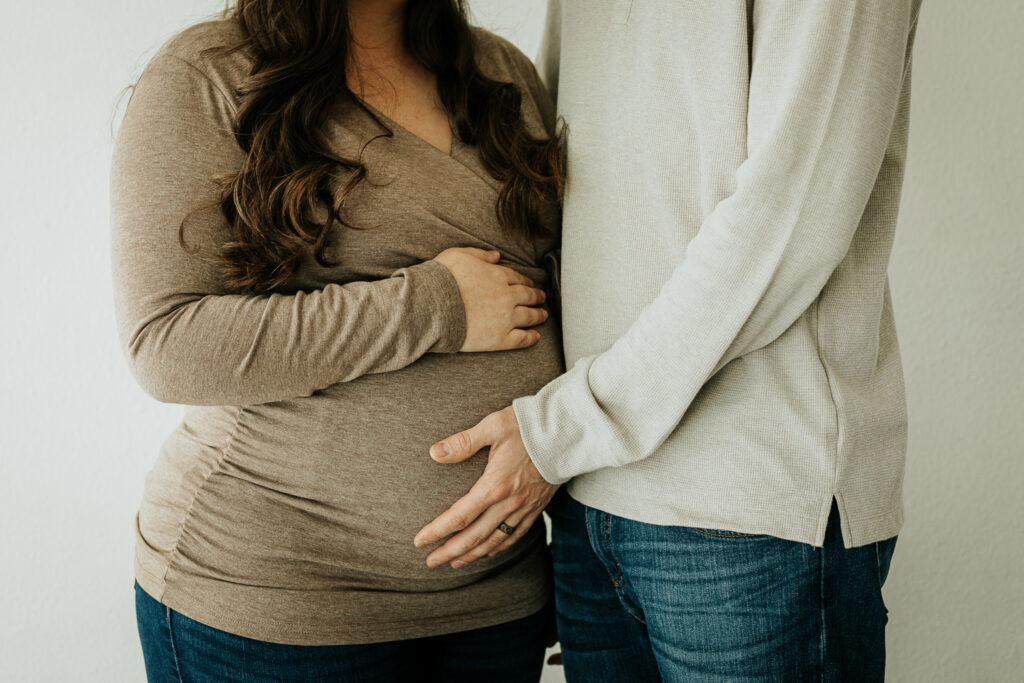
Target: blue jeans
x=180, y=650
x=642, y=602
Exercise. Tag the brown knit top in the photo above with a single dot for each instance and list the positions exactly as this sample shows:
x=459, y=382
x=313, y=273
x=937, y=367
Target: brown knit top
x=285, y=504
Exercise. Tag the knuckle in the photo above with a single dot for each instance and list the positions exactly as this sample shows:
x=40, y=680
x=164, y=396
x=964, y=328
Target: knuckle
x=501, y=490
x=491, y=421
x=489, y=493
x=503, y=419
x=459, y=522
x=462, y=441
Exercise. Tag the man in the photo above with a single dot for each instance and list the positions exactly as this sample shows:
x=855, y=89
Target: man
x=733, y=426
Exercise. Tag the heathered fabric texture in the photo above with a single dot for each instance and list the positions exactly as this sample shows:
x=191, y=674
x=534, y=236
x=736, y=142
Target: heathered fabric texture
x=285, y=505
x=734, y=179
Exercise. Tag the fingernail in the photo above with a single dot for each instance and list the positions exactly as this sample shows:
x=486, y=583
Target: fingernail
x=446, y=448
x=433, y=563
x=458, y=563
x=418, y=543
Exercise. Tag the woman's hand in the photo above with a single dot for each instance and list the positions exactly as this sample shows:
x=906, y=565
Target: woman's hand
x=500, y=303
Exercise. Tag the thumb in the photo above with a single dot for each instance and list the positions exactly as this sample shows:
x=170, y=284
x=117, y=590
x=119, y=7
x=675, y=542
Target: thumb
x=461, y=446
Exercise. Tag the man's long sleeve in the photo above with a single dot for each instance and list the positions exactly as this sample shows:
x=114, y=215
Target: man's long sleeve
x=825, y=84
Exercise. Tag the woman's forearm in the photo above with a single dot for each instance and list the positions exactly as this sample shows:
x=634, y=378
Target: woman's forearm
x=186, y=338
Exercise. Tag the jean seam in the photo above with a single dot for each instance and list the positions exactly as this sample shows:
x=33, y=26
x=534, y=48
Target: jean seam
x=600, y=548
x=606, y=530
x=823, y=634
x=878, y=565
x=174, y=649
x=597, y=548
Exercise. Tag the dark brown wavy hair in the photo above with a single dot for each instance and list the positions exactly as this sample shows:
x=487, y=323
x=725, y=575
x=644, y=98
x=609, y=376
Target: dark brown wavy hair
x=299, y=50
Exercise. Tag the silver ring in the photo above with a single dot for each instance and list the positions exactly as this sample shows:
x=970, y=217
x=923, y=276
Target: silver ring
x=506, y=528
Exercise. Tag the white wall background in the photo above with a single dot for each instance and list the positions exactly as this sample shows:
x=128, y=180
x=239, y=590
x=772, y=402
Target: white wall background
x=78, y=436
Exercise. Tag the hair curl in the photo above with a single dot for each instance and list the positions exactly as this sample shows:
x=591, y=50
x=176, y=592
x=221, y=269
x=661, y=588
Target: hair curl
x=300, y=50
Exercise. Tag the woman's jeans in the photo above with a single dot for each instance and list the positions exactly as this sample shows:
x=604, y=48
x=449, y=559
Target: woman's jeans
x=180, y=650
x=642, y=602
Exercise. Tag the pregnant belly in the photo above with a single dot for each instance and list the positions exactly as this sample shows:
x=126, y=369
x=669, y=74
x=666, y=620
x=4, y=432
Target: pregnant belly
x=328, y=491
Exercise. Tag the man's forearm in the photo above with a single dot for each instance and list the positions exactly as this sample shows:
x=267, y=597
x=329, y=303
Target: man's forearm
x=824, y=91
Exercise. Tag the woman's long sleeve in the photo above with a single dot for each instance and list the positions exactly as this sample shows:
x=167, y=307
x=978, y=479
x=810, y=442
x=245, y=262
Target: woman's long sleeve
x=187, y=340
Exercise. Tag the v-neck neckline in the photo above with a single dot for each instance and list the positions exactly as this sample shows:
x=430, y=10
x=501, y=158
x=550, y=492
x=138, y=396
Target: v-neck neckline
x=461, y=152
x=451, y=143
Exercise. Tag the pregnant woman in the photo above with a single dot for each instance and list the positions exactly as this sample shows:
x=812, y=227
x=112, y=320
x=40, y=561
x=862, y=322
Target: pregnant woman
x=310, y=199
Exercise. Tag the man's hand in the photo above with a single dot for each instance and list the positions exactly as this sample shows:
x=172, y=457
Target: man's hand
x=510, y=490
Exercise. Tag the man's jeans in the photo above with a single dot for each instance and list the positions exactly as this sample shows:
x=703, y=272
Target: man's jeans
x=642, y=602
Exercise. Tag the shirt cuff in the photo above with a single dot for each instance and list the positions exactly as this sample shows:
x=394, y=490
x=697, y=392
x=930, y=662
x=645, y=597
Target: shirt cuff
x=443, y=299
x=525, y=409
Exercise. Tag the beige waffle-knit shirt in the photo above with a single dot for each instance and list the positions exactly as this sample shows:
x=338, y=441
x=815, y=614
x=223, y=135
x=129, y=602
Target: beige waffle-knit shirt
x=285, y=505
x=734, y=179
